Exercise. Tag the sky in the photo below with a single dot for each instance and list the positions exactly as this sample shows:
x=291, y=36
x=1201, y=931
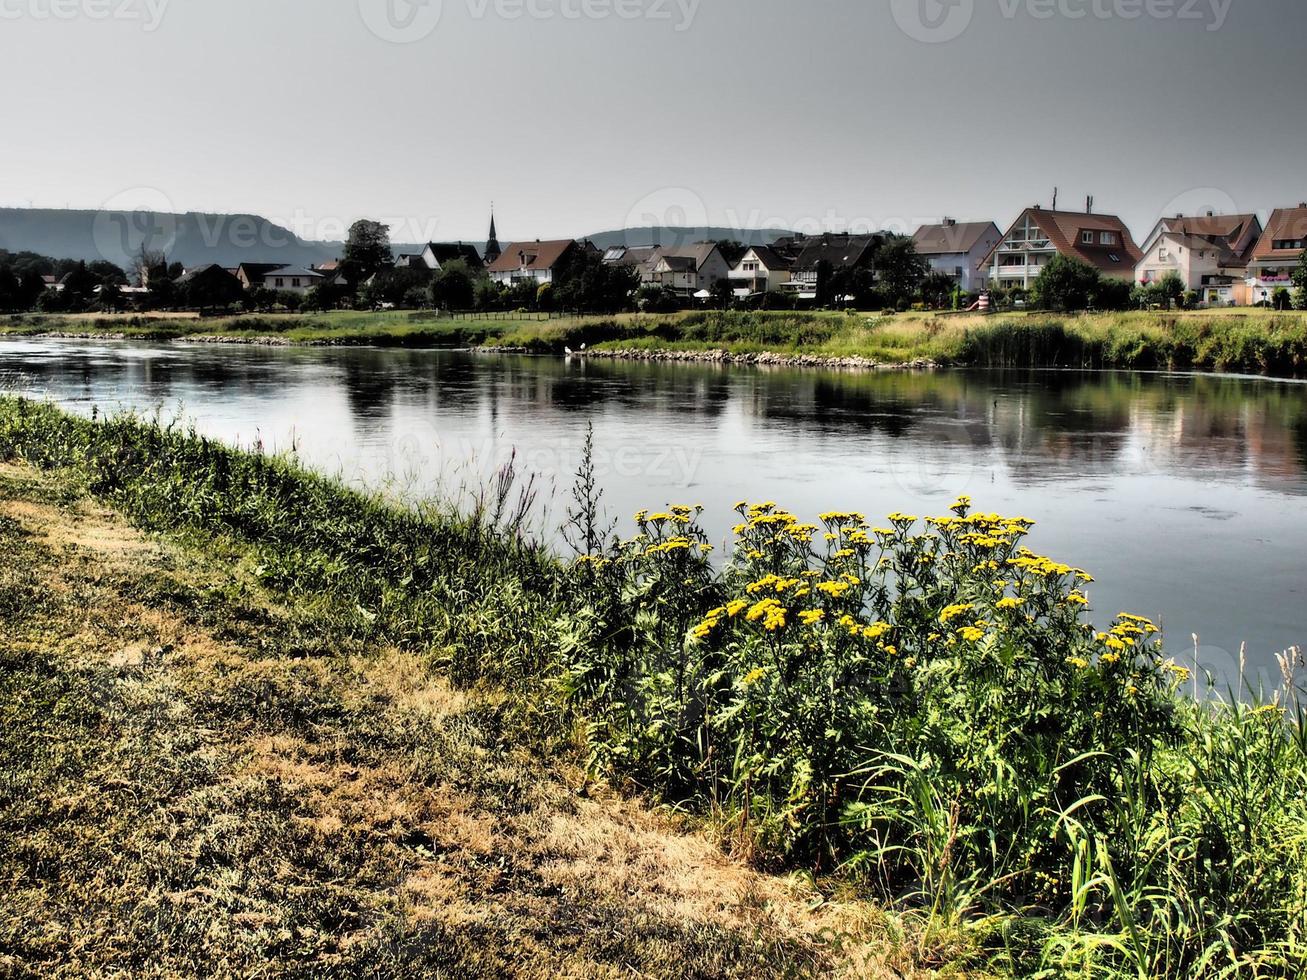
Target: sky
x=577, y=116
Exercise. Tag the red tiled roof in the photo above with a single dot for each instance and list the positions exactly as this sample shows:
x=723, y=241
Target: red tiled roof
x=1064, y=228
x=1285, y=224
x=533, y=256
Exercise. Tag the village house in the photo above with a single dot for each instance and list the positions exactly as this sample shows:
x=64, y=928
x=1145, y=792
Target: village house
x=1100, y=240
x=209, y=285
x=688, y=269
x=761, y=269
x=251, y=274
x=532, y=261
x=291, y=279
x=638, y=257
x=1274, y=258
x=434, y=255
x=956, y=249
x=838, y=253
x=1208, y=252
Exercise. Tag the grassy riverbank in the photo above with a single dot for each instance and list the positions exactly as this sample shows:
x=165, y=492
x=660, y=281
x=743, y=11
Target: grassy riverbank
x=1241, y=341
x=285, y=728
x=227, y=748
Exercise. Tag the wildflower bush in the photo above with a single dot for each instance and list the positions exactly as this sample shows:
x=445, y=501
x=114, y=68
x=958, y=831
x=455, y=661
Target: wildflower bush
x=925, y=705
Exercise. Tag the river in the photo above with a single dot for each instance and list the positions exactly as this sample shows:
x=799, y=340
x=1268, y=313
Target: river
x=1185, y=495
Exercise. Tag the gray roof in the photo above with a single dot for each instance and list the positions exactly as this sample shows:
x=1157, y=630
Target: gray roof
x=293, y=270
x=952, y=238
x=841, y=251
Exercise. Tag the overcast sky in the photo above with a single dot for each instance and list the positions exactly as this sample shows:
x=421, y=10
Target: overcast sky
x=577, y=116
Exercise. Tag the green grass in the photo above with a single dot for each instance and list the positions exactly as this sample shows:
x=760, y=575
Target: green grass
x=1020, y=795
x=1244, y=341
x=224, y=752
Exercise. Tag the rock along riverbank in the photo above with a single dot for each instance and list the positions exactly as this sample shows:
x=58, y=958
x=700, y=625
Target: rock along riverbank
x=757, y=359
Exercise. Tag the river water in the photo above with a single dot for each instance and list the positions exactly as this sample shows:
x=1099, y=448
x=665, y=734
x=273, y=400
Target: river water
x=1185, y=495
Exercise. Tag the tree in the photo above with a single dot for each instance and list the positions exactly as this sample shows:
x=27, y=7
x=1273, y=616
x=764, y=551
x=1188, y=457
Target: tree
x=146, y=262
x=1111, y=294
x=30, y=288
x=860, y=283
x=899, y=269
x=937, y=289
x=521, y=295
x=825, y=283
x=325, y=295
x=111, y=297
x=162, y=285
x=79, y=286
x=653, y=298
x=392, y=285
x=1066, y=284
x=103, y=269
x=1170, y=289
x=723, y=294
x=10, y=290
x=1281, y=299
x=212, y=288
x=454, y=286
x=489, y=294
x=582, y=281
x=367, y=251
x=1300, y=281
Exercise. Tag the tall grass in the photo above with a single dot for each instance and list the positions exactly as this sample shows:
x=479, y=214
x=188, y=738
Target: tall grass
x=919, y=709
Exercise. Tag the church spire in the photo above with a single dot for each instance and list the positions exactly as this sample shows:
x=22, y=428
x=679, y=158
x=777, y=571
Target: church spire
x=493, y=251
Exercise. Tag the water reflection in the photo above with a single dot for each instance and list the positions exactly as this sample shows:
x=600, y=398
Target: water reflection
x=1187, y=495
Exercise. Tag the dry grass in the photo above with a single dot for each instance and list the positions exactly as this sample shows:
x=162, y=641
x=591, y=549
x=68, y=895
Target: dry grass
x=195, y=780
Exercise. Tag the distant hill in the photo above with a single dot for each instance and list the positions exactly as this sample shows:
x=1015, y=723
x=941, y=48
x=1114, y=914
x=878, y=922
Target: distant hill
x=191, y=239
x=197, y=238
x=636, y=237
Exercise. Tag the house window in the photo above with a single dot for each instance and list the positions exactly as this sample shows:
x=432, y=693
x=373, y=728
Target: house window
x=1163, y=255
x=1107, y=238
x=1288, y=244
x=1114, y=257
x=281, y=283
x=1086, y=238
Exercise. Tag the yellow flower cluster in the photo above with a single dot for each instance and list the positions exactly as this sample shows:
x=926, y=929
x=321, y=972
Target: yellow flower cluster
x=770, y=613
x=1028, y=561
x=669, y=546
x=951, y=613
x=843, y=517
x=811, y=617
x=773, y=583
x=834, y=589
x=971, y=634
